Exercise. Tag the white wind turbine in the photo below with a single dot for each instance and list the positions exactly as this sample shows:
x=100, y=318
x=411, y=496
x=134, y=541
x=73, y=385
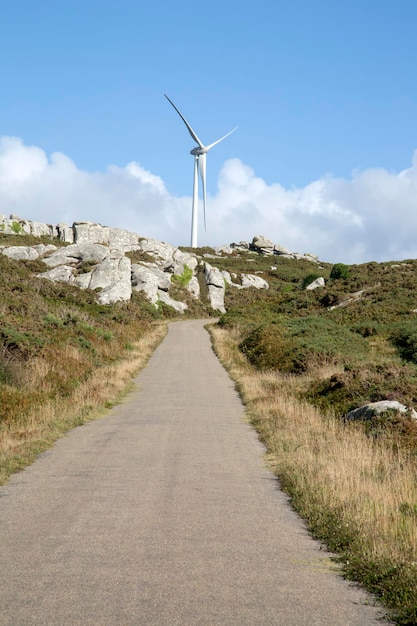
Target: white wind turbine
x=199, y=154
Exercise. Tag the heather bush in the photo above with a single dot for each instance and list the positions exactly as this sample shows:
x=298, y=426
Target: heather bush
x=340, y=271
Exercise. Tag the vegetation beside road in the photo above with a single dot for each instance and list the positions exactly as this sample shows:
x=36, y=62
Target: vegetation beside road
x=303, y=359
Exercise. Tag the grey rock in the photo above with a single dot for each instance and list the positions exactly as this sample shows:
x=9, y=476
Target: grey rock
x=180, y=260
x=175, y=304
x=213, y=276
x=280, y=249
x=89, y=232
x=216, y=287
x=319, y=282
x=367, y=411
x=157, y=249
x=83, y=281
x=247, y=281
x=227, y=277
x=150, y=281
x=221, y=250
x=59, y=274
x=42, y=249
x=38, y=229
x=111, y=273
x=241, y=246
x=311, y=257
x=353, y=298
x=216, y=297
x=120, y=288
x=261, y=243
x=250, y=280
x=76, y=253
x=194, y=287
x=20, y=253
x=65, y=233
x=115, y=238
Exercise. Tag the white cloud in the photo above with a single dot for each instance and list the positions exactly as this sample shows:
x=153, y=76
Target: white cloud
x=372, y=216
x=19, y=163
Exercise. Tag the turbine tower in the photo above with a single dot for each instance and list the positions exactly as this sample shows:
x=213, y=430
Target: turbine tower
x=199, y=153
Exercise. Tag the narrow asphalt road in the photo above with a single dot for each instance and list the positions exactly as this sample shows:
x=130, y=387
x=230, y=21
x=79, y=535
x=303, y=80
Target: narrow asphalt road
x=163, y=513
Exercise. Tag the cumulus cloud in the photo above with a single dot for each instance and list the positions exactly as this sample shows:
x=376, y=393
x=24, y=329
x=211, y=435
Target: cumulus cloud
x=371, y=216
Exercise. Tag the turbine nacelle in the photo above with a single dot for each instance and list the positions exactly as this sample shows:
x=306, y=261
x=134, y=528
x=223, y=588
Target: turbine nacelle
x=197, y=151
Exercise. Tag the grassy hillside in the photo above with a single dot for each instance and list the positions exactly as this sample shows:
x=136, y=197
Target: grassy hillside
x=361, y=326
x=302, y=359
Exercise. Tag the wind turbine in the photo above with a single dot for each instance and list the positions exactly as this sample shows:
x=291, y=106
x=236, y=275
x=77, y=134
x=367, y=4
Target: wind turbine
x=199, y=153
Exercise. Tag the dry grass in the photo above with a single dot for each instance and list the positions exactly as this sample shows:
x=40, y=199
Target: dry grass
x=22, y=439
x=357, y=494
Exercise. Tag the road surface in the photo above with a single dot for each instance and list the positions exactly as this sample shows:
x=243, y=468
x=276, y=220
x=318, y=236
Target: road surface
x=163, y=513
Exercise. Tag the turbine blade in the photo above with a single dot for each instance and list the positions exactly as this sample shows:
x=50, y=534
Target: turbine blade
x=207, y=148
x=202, y=166
x=190, y=130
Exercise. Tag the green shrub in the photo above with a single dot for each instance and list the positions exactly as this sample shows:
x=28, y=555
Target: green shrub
x=52, y=320
x=290, y=345
x=16, y=228
x=340, y=271
x=17, y=341
x=404, y=337
x=267, y=348
x=184, y=278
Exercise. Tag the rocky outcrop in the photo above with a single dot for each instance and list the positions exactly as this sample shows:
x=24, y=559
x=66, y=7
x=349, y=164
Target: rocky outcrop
x=107, y=270
x=262, y=244
x=95, y=258
x=92, y=266
x=15, y=225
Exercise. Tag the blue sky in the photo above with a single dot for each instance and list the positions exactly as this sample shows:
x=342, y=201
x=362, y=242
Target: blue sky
x=324, y=95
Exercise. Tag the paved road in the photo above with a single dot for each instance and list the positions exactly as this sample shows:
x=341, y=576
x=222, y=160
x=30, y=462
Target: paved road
x=164, y=514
